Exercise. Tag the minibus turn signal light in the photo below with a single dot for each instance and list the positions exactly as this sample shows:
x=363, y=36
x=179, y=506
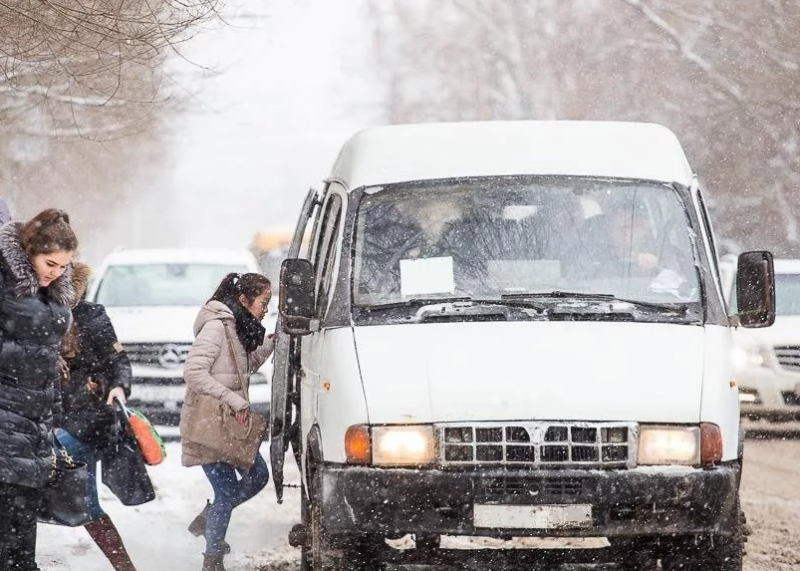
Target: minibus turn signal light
x=357, y=445
x=710, y=443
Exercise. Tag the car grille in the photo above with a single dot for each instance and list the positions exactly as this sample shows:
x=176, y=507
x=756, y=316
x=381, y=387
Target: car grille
x=511, y=488
x=788, y=356
x=158, y=381
x=790, y=398
x=603, y=445
x=165, y=355
x=749, y=396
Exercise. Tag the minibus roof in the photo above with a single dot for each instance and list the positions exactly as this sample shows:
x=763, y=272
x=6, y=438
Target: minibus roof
x=426, y=151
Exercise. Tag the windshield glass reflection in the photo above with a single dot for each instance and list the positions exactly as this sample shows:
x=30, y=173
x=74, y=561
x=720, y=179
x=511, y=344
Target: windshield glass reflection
x=495, y=238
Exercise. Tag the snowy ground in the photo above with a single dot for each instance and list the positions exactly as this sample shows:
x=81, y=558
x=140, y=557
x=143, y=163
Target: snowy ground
x=157, y=538
x=771, y=500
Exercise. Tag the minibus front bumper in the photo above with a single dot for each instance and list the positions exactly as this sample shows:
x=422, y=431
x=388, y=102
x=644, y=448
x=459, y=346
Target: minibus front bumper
x=650, y=501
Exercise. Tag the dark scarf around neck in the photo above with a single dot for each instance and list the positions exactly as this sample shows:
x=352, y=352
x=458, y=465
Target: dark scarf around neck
x=248, y=329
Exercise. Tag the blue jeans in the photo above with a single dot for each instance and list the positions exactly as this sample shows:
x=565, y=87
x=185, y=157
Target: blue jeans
x=84, y=453
x=230, y=491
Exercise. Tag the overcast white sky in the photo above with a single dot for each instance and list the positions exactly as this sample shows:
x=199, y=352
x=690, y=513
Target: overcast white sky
x=292, y=82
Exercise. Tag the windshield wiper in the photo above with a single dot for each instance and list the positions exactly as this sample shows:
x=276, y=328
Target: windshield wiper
x=557, y=294
x=681, y=308
x=532, y=300
x=455, y=308
x=600, y=297
x=414, y=301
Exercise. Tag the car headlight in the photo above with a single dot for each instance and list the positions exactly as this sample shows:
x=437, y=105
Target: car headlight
x=669, y=445
x=744, y=357
x=402, y=445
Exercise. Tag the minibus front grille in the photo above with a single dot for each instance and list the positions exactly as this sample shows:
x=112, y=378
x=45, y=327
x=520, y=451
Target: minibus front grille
x=545, y=444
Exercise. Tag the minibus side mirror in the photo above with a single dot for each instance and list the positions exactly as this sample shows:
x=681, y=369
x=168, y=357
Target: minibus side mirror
x=755, y=289
x=296, y=297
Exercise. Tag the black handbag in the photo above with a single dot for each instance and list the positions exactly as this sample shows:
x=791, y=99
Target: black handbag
x=123, y=467
x=63, y=500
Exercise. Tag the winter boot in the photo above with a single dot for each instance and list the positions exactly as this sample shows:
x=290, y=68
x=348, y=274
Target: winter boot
x=107, y=538
x=198, y=525
x=213, y=562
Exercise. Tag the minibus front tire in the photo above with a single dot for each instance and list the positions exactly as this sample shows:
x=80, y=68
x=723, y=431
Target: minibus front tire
x=325, y=552
x=714, y=553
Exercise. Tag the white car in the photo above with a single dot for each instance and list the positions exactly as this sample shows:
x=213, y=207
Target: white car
x=152, y=297
x=768, y=360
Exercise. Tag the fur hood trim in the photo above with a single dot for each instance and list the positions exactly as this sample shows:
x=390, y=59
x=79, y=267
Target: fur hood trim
x=81, y=273
x=19, y=274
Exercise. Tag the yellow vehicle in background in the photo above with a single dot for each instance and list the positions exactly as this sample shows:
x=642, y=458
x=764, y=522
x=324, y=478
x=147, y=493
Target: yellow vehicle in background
x=270, y=248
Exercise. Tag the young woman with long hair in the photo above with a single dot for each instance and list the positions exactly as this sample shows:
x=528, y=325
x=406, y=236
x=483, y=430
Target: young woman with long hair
x=35, y=297
x=229, y=340
x=96, y=371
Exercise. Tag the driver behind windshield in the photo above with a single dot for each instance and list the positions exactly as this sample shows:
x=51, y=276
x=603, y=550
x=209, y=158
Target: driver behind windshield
x=632, y=241
x=632, y=245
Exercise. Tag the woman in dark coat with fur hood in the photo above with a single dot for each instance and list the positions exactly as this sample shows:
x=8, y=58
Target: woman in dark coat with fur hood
x=35, y=297
x=97, y=371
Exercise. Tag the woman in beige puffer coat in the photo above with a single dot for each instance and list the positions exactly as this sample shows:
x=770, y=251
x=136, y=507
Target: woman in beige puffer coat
x=228, y=324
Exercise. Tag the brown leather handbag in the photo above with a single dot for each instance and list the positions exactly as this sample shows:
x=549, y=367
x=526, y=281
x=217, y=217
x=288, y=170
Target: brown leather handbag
x=211, y=426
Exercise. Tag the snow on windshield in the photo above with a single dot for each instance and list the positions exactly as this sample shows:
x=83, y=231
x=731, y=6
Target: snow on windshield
x=487, y=238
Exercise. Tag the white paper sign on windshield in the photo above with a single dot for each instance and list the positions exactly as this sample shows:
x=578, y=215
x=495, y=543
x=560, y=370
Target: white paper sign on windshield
x=426, y=276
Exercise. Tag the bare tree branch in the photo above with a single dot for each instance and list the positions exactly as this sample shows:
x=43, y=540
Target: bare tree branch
x=734, y=92
x=722, y=75
x=91, y=60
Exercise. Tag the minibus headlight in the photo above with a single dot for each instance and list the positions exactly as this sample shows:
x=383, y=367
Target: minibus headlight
x=411, y=445
x=669, y=445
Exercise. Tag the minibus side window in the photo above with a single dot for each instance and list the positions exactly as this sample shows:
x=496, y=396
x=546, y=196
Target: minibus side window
x=325, y=255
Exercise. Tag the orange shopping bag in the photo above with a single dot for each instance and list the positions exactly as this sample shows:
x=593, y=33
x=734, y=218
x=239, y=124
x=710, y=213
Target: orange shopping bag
x=149, y=440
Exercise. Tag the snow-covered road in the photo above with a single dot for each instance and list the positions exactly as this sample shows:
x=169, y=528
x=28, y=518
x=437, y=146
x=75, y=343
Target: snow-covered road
x=771, y=500
x=156, y=535
x=157, y=538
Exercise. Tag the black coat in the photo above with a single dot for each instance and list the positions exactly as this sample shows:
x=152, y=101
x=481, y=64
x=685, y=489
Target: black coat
x=99, y=366
x=33, y=321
